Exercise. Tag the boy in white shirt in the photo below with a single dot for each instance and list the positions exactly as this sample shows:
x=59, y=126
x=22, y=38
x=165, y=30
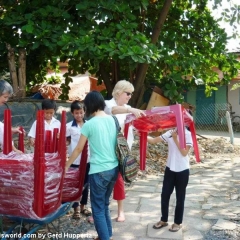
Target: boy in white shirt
x=73, y=133
x=49, y=106
x=176, y=176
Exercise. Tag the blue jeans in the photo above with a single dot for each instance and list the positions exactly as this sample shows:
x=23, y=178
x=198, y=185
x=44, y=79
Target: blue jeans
x=101, y=186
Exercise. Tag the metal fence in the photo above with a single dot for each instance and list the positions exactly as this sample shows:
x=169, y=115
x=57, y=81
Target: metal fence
x=213, y=118
x=24, y=112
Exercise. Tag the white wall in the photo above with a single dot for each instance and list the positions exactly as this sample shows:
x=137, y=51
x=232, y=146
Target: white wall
x=234, y=98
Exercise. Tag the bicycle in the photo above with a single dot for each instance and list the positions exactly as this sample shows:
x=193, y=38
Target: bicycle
x=235, y=122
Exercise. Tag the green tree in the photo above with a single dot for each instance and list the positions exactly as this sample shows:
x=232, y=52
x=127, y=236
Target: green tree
x=166, y=43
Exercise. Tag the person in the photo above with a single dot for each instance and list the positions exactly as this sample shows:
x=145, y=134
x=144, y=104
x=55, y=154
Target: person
x=2, y=142
x=100, y=131
x=49, y=106
x=118, y=106
x=6, y=92
x=176, y=176
x=73, y=133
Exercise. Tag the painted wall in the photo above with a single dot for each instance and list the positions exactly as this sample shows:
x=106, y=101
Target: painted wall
x=207, y=107
x=234, y=98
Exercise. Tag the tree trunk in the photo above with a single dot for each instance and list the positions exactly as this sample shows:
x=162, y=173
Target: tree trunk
x=12, y=67
x=143, y=67
x=106, y=79
x=22, y=72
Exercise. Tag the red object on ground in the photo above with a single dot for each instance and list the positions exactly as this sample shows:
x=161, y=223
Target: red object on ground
x=7, y=138
x=21, y=140
x=33, y=185
x=163, y=118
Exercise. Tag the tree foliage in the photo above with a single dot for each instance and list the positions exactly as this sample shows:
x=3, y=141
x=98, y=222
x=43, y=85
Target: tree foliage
x=165, y=43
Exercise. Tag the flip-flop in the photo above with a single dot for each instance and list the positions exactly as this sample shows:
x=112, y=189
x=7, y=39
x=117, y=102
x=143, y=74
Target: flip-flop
x=76, y=215
x=86, y=212
x=160, y=225
x=175, y=227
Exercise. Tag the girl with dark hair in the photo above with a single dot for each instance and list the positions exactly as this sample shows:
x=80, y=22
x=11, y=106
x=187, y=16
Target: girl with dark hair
x=176, y=177
x=100, y=132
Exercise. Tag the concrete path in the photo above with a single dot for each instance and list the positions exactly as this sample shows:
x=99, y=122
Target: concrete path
x=212, y=201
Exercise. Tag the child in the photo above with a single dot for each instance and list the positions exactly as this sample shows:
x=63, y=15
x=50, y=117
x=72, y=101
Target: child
x=73, y=133
x=100, y=132
x=49, y=107
x=176, y=176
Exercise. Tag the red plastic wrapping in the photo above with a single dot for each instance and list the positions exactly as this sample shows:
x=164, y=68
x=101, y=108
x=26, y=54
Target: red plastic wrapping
x=74, y=179
x=163, y=118
x=31, y=185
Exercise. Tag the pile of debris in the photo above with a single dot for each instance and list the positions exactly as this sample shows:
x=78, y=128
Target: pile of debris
x=156, y=156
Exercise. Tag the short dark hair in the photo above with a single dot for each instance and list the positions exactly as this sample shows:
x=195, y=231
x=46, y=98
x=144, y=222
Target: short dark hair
x=94, y=101
x=77, y=105
x=49, y=104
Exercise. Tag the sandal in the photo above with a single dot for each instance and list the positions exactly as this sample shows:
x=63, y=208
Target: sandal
x=86, y=212
x=76, y=215
x=160, y=224
x=175, y=227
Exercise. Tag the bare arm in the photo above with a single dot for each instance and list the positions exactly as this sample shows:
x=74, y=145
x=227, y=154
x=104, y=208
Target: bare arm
x=121, y=109
x=183, y=151
x=76, y=151
x=154, y=140
x=16, y=150
x=17, y=130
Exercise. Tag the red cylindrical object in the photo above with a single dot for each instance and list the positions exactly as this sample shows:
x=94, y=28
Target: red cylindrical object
x=194, y=138
x=7, y=138
x=55, y=139
x=143, y=150
x=39, y=166
x=126, y=128
x=48, y=141
x=21, y=140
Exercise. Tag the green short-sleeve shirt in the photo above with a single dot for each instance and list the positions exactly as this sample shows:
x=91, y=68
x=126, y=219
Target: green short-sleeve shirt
x=101, y=134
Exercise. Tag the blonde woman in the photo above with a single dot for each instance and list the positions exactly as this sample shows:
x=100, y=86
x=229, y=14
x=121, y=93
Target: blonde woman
x=119, y=107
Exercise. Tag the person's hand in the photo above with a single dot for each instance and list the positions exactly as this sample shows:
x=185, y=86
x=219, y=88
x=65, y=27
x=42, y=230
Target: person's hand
x=66, y=166
x=17, y=130
x=137, y=112
x=174, y=134
x=32, y=141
